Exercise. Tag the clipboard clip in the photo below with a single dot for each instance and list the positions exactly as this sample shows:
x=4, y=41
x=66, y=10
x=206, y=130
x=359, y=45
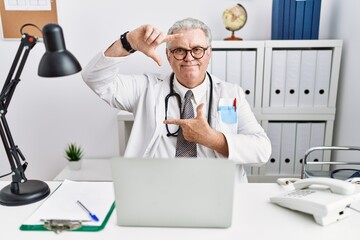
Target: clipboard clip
x=60, y=225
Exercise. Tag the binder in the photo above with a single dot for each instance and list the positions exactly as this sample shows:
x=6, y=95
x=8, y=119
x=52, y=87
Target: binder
x=98, y=197
x=286, y=30
x=307, y=78
x=317, y=138
x=322, y=84
x=248, y=75
x=287, y=154
x=292, y=19
x=299, y=19
x=316, y=19
x=274, y=134
x=233, y=67
x=292, y=78
x=278, y=71
x=308, y=15
x=277, y=19
x=302, y=145
x=218, y=64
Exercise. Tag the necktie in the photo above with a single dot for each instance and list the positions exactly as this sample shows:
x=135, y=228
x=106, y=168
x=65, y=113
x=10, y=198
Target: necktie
x=183, y=147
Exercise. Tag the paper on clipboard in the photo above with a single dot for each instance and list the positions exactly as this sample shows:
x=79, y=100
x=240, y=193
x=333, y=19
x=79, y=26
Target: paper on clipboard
x=62, y=204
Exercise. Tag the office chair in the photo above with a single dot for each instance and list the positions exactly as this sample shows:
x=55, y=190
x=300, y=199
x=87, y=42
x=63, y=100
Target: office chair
x=336, y=169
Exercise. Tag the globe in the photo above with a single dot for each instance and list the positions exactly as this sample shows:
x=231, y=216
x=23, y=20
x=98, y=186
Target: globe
x=234, y=18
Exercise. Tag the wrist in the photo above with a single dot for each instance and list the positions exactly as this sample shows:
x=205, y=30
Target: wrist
x=125, y=43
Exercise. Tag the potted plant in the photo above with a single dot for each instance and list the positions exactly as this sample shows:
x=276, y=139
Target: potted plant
x=74, y=153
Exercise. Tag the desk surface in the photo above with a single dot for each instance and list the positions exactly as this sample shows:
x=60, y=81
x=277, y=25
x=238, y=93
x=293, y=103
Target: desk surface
x=254, y=218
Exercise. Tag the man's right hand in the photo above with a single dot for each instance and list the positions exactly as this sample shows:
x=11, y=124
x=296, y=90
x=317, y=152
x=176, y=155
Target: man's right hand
x=145, y=39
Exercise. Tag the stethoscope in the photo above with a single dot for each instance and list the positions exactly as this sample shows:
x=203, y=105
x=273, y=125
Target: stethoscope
x=178, y=98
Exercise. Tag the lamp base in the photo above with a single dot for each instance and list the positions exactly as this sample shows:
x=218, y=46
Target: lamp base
x=28, y=192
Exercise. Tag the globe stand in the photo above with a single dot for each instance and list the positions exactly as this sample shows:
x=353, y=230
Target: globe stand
x=233, y=37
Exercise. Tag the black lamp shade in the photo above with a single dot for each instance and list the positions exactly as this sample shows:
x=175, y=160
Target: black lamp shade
x=57, y=61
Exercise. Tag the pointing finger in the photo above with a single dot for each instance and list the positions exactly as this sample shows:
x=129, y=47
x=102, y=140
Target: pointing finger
x=172, y=37
x=174, y=121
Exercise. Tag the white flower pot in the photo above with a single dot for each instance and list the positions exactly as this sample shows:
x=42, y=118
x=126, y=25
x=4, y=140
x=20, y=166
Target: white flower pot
x=74, y=165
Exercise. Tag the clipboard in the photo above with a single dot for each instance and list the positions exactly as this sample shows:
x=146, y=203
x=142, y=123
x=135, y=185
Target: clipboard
x=61, y=205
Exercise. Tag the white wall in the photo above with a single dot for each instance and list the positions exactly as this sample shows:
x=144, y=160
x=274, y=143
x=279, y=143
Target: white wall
x=46, y=114
x=345, y=15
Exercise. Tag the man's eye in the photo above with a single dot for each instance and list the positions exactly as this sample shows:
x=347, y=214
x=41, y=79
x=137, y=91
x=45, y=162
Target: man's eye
x=197, y=50
x=179, y=51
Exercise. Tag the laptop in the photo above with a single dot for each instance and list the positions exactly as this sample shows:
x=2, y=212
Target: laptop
x=174, y=192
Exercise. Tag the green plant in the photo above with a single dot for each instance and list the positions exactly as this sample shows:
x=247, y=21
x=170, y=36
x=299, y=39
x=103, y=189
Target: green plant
x=73, y=152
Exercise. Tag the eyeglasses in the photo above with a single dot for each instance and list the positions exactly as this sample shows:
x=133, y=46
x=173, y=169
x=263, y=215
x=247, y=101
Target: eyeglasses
x=181, y=53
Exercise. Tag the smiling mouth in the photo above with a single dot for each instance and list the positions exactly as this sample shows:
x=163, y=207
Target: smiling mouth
x=188, y=65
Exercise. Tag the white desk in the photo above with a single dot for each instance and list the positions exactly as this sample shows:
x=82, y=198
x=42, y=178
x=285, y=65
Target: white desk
x=254, y=218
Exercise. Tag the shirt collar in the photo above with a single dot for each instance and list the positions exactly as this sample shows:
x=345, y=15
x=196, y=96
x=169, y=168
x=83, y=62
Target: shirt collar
x=198, y=91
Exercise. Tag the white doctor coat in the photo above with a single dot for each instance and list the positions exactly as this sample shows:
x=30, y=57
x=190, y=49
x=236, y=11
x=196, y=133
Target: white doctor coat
x=144, y=95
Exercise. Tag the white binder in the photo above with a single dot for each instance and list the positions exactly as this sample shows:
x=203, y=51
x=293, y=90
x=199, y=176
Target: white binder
x=274, y=134
x=307, y=78
x=218, y=64
x=322, y=84
x=292, y=78
x=248, y=75
x=278, y=72
x=287, y=154
x=317, y=139
x=302, y=145
x=233, y=67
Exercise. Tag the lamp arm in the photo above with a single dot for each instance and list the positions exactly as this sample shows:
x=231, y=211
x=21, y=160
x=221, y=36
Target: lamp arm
x=12, y=151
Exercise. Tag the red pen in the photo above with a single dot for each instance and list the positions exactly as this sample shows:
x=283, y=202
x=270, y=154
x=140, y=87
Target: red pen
x=234, y=104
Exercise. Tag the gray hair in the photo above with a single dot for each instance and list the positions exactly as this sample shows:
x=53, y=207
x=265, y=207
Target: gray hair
x=191, y=23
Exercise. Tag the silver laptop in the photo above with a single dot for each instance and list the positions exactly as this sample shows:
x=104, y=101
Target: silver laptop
x=176, y=192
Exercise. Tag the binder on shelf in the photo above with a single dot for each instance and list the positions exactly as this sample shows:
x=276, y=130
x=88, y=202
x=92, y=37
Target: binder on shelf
x=292, y=78
x=274, y=134
x=278, y=74
x=277, y=19
x=307, y=78
x=302, y=144
x=287, y=155
x=98, y=197
x=308, y=15
x=286, y=30
x=292, y=19
x=323, y=72
x=316, y=19
x=317, y=138
x=233, y=67
x=218, y=64
x=299, y=19
x=248, y=75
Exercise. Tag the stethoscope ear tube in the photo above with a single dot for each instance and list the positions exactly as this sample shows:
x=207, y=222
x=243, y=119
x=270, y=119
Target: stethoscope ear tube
x=178, y=98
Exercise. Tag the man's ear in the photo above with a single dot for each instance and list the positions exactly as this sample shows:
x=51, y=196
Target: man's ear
x=210, y=51
x=167, y=54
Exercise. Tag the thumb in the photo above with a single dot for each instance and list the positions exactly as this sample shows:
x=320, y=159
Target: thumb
x=199, y=112
x=155, y=57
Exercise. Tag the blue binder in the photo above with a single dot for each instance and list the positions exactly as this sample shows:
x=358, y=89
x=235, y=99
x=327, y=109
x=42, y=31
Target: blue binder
x=316, y=19
x=292, y=19
x=308, y=16
x=286, y=31
x=277, y=20
x=299, y=19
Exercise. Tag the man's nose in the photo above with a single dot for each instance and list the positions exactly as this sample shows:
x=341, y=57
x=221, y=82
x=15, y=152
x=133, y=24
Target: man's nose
x=188, y=56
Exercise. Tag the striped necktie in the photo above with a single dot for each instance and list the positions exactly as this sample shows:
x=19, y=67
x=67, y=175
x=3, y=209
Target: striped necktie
x=183, y=147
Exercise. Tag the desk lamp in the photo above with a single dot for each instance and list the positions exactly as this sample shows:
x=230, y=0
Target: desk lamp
x=56, y=62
